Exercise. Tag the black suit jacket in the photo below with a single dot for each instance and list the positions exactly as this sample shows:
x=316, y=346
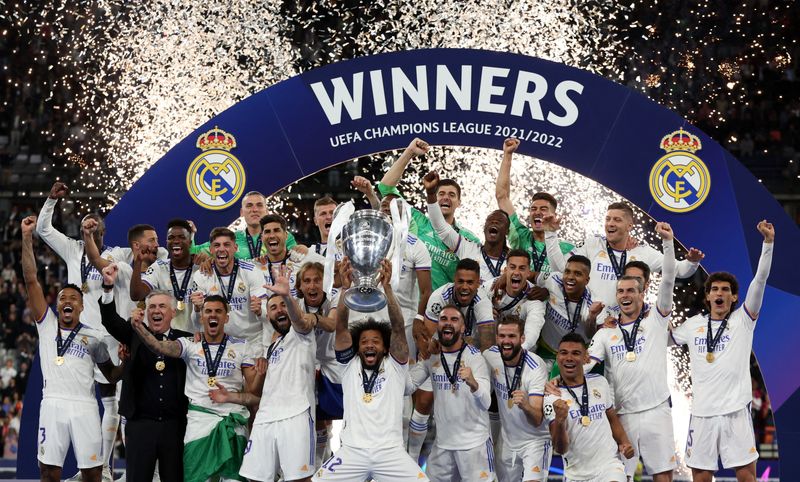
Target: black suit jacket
x=124, y=333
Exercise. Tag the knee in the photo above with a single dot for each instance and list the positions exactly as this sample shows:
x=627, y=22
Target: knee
x=423, y=402
x=107, y=390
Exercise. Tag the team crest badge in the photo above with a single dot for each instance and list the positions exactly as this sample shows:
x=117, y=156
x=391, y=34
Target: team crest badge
x=680, y=181
x=231, y=354
x=216, y=178
x=596, y=393
x=242, y=288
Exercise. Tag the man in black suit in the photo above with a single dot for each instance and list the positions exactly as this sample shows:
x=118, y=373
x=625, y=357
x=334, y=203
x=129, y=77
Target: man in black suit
x=152, y=399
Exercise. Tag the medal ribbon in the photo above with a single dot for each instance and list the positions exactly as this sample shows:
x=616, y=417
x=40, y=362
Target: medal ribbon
x=515, y=301
x=711, y=341
x=369, y=382
x=584, y=401
x=273, y=346
x=538, y=259
x=211, y=367
x=255, y=249
x=576, y=316
x=510, y=387
x=630, y=339
x=619, y=267
x=62, y=345
x=180, y=293
x=494, y=268
x=452, y=377
x=469, y=317
x=86, y=266
x=227, y=292
x=269, y=268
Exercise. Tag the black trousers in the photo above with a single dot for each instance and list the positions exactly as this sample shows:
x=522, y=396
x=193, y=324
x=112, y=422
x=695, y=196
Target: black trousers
x=149, y=441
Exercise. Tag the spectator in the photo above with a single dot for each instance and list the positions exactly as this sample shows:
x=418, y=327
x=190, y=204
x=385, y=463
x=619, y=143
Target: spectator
x=7, y=373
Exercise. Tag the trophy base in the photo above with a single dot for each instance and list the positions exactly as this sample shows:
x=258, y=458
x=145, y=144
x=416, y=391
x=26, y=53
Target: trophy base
x=364, y=300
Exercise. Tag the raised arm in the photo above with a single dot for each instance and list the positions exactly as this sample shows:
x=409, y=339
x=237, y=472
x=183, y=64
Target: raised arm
x=417, y=147
x=502, y=187
x=755, y=292
x=36, y=300
x=44, y=224
x=139, y=289
x=117, y=327
x=300, y=323
x=668, y=269
x=362, y=185
x=170, y=348
x=555, y=257
x=88, y=227
x=343, y=340
x=398, y=346
x=445, y=231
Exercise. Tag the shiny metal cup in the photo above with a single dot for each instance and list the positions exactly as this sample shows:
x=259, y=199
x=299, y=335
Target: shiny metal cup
x=367, y=237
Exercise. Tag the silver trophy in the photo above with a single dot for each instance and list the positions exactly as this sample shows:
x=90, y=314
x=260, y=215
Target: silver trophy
x=367, y=237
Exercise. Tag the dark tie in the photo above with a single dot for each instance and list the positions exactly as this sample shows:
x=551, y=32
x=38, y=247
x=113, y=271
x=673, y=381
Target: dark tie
x=160, y=336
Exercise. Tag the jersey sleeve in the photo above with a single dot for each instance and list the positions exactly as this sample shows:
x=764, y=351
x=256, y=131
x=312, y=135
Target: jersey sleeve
x=421, y=256
x=549, y=411
x=680, y=334
x=200, y=248
x=435, y=305
x=248, y=354
x=150, y=277
x=256, y=284
x=291, y=242
x=483, y=310
x=187, y=347
x=66, y=248
x=534, y=321
x=419, y=373
x=597, y=347
x=537, y=382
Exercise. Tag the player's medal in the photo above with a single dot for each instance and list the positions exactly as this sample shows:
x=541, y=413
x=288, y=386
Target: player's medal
x=160, y=365
x=585, y=420
x=85, y=287
x=514, y=384
x=368, y=383
x=712, y=340
x=62, y=345
x=367, y=397
x=630, y=338
x=452, y=376
x=575, y=319
x=583, y=403
x=211, y=366
x=180, y=292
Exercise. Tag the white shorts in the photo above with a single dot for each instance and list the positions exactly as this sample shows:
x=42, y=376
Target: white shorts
x=532, y=462
x=112, y=345
x=475, y=464
x=729, y=438
x=389, y=464
x=64, y=421
x=650, y=433
x=287, y=445
x=613, y=472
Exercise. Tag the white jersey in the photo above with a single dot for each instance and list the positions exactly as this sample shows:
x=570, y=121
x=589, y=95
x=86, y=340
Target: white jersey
x=602, y=278
x=242, y=322
x=326, y=353
x=517, y=431
x=289, y=384
x=379, y=423
x=229, y=372
x=157, y=277
x=74, y=380
x=557, y=322
x=591, y=448
x=443, y=296
x=531, y=312
x=293, y=262
x=722, y=386
x=462, y=417
x=641, y=384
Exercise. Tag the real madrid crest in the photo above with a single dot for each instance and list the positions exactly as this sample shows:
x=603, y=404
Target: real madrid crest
x=216, y=178
x=680, y=181
x=241, y=287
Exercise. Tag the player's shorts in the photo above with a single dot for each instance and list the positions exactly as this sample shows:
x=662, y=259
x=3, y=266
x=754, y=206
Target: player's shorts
x=64, y=421
x=330, y=398
x=112, y=345
x=650, y=433
x=287, y=444
x=388, y=464
x=475, y=464
x=729, y=438
x=613, y=472
x=531, y=462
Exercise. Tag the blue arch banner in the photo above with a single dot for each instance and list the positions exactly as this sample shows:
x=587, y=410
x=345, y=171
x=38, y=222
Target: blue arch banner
x=573, y=118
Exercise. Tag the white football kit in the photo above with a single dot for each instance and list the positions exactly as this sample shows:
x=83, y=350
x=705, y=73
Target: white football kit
x=283, y=435
x=559, y=317
x=531, y=312
x=68, y=411
x=526, y=448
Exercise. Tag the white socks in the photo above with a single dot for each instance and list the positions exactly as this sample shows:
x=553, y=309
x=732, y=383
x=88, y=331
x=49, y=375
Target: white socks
x=417, y=431
x=110, y=424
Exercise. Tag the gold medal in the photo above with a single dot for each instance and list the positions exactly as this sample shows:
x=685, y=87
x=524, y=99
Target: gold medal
x=453, y=387
x=212, y=382
x=630, y=356
x=181, y=305
x=710, y=357
x=160, y=365
x=367, y=397
x=59, y=360
x=585, y=421
x=85, y=287
x=510, y=403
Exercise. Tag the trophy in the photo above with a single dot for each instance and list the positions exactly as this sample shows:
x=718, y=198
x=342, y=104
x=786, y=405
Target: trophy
x=366, y=237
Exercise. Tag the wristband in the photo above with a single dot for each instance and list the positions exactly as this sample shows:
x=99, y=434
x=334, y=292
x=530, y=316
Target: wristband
x=107, y=287
x=419, y=317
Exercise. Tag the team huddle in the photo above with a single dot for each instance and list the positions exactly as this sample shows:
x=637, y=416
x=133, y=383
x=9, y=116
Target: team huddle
x=233, y=358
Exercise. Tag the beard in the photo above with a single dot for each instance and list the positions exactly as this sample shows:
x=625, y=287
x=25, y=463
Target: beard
x=375, y=364
x=280, y=328
x=515, y=349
